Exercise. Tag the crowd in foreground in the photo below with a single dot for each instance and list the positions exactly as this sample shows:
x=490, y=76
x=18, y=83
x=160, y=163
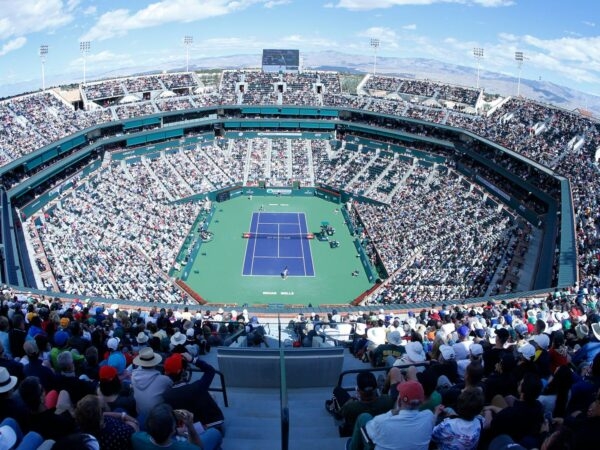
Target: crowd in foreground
x=78, y=376
x=519, y=375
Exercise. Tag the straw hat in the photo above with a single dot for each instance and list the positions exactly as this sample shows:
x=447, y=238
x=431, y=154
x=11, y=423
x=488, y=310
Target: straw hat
x=178, y=338
x=7, y=381
x=141, y=338
x=147, y=358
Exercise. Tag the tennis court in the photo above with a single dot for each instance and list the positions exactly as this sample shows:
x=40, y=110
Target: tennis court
x=278, y=243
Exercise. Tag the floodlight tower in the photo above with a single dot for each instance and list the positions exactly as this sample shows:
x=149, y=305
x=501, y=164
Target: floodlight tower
x=478, y=54
x=519, y=58
x=84, y=48
x=187, y=41
x=375, y=45
x=43, y=54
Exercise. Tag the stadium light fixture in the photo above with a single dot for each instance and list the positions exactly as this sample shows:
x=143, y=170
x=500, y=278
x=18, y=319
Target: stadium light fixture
x=519, y=58
x=478, y=54
x=374, y=45
x=43, y=55
x=187, y=41
x=84, y=48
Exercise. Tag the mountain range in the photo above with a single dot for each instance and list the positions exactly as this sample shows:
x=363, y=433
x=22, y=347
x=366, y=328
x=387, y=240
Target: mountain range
x=418, y=68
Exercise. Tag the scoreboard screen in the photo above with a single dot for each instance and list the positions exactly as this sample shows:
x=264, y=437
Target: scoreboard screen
x=280, y=60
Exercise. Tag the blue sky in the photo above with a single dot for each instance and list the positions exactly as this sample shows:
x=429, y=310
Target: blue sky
x=560, y=39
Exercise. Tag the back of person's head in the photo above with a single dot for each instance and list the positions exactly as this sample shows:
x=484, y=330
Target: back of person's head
x=109, y=382
x=474, y=373
x=366, y=384
x=31, y=392
x=18, y=320
x=64, y=361
x=91, y=356
x=160, y=423
x=88, y=414
x=3, y=323
x=77, y=441
x=469, y=403
x=531, y=387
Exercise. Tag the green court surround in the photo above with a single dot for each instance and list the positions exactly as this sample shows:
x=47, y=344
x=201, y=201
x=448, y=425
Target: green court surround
x=216, y=272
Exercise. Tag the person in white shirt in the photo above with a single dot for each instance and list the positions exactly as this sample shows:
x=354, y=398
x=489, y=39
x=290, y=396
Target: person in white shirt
x=404, y=427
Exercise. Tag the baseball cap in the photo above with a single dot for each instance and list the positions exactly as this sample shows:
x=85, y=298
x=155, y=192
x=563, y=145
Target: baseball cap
x=366, y=381
x=113, y=343
x=107, y=373
x=61, y=338
x=173, y=364
x=542, y=341
x=8, y=437
x=447, y=352
x=463, y=330
x=476, y=350
x=410, y=391
x=527, y=350
x=521, y=329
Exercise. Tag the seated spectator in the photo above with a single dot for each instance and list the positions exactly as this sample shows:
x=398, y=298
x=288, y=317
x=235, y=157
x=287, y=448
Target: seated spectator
x=492, y=355
x=9, y=405
x=444, y=366
x=13, y=367
x=556, y=393
x=461, y=429
x=66, y=379
x=36, y=368
x=112, y=430
x=346, y=408
x=40, y=417
x=582, y=391
x=113, y=395
x=523, y=419
x=392, y=348
x=403, y=427
x=501, y=380
x=161, y=427
x=193, y=396
x=475, y=356
x=149, y=384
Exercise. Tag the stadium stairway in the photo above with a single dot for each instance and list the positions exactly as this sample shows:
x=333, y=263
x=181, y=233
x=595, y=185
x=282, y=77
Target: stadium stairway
x=253, y=417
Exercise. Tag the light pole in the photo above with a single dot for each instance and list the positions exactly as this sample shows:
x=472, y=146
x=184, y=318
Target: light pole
x=43, y=54
x=478, y=54
x=519, y=58
x=84, y=48
x=187, y=40
x=375, y=45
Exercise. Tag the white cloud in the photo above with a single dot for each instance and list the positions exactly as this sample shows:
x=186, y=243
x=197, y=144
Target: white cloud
x=362, y=5
x=410, y=26
x=120, y=21
x=273, y=3
x=588, y=23
x=90, y=11
x=387, y=37
x=13, y=45
x=22, y=17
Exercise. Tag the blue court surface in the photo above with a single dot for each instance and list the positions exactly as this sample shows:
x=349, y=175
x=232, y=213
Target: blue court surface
x=276, y=242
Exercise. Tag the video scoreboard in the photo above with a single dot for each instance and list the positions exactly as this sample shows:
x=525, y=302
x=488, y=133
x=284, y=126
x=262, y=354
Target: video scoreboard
x=274, y=60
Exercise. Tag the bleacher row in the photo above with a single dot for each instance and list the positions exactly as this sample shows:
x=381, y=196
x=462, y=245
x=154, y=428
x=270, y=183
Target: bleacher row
x=124, y=217
x=565, y=141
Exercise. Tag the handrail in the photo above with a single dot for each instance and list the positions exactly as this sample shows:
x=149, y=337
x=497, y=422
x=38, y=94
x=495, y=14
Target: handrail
x=374, y=369
x=222, y=389
x=285, y=411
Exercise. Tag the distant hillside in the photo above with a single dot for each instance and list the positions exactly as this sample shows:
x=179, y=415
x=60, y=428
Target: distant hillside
x=418, y=68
